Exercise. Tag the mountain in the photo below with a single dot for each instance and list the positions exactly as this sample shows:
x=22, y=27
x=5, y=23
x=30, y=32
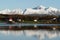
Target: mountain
x=42, y=10
x=6, y=11
x=39, y=10
x=10, y=12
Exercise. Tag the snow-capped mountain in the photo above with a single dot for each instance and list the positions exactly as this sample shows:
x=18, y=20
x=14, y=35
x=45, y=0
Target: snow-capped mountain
x=42, y=10
x=15, y=11
x=37, y=10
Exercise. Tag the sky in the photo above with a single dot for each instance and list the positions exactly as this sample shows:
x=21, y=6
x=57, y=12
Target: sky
x=23, y=4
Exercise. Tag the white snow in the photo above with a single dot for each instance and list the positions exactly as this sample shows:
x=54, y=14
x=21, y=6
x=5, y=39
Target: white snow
x=39, y=10
x=15, y=11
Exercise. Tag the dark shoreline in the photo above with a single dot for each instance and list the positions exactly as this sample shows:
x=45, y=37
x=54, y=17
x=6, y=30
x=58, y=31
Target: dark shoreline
x=26, y=26
x=30, y=28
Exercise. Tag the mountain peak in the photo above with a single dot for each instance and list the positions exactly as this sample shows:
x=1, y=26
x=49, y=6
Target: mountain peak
x=42, y=7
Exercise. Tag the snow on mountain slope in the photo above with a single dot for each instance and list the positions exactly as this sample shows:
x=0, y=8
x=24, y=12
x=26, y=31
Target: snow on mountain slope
x=6, y=11
x=37, y=11
x=15, y=11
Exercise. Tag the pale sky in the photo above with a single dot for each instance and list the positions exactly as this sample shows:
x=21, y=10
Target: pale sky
x=23, y=4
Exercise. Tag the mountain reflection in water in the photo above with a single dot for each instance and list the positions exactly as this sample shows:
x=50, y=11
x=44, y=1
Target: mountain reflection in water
x=29, y=35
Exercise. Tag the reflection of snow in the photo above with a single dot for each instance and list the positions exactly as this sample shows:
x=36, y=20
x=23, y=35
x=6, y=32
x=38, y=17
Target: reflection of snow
x=52, y=35
x=40, y=34
x=16, y=33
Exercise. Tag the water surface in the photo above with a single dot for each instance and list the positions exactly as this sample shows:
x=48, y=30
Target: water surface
x=29, y=35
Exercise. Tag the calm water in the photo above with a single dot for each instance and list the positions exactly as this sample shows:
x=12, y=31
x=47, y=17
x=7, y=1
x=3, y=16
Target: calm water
x=29, y=35
x=27, y=24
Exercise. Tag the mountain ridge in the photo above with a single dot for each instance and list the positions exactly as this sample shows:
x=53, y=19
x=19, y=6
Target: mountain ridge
x=37, y=10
